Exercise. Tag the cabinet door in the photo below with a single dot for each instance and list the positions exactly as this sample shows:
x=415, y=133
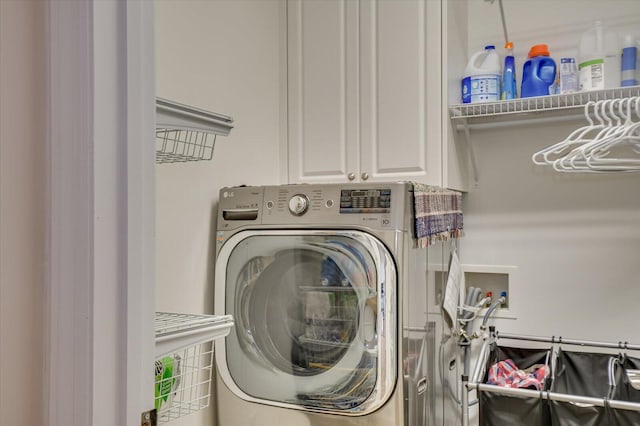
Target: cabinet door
x=322, y=66
x=400, y=90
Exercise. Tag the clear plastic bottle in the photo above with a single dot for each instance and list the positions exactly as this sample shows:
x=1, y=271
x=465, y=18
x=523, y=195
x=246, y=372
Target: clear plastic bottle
x=599, y=58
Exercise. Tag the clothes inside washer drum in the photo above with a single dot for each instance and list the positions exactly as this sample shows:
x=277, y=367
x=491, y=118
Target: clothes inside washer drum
x=277, y=317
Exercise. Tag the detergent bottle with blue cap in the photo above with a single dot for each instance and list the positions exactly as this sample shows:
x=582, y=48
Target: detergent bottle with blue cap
x=481, y=81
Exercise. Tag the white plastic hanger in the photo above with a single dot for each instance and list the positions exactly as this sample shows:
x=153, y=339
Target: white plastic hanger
x=578, y=136
x=575, y=160
x=628, y=143
x=614, y=148
x=578, y=159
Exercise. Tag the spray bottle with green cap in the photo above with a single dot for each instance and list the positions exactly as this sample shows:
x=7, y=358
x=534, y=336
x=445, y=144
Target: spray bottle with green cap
x=509, y=74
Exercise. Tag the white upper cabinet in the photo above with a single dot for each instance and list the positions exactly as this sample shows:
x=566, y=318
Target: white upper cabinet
x=322, y=90
x=364, y=91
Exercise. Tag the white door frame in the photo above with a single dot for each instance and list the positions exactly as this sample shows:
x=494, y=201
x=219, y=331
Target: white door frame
x=99, y=297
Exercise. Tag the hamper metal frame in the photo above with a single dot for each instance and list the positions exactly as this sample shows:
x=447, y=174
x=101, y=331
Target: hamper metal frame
x=474, y=382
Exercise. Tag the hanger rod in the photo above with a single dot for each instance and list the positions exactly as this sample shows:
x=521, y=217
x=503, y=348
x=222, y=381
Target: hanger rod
x=560, y=340
x=554, y=396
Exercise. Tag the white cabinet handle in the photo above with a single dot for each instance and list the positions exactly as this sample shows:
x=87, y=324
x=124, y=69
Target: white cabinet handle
x=364, y=176
x=351, y=176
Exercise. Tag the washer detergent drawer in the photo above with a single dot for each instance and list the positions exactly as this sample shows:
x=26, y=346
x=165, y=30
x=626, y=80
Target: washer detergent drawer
x=315, y=314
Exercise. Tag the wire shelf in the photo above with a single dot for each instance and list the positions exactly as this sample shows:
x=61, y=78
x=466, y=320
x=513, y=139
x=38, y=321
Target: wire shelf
x=185, y=133
x=556, y=105
x=184, y=361
x=174, y=146
x=183, y=382
x=175, y=331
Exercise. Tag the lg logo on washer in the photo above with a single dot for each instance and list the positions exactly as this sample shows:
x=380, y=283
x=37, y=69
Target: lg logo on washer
x=228, y=194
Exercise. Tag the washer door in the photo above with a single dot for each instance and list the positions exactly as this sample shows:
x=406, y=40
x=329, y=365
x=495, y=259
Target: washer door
x=314, y=315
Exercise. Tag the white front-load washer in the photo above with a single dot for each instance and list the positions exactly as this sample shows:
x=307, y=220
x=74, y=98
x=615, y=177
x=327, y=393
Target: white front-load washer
x=329, y=293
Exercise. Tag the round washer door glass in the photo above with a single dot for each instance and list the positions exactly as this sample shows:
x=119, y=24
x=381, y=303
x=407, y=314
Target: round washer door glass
x=311, y=323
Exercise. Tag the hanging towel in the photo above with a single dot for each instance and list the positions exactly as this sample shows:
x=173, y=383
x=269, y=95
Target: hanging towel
x=437, y=213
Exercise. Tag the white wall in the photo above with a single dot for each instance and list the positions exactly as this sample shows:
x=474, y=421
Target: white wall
x=574, y=238
x=222, y=56
x=22, y=216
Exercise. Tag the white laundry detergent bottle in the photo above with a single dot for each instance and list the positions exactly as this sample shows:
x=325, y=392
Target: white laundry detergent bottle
x=599, y=58
x=481, y=81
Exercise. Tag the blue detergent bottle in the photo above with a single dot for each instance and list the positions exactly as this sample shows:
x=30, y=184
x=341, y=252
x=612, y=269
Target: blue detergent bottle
x=629, y=59
x=538, y=73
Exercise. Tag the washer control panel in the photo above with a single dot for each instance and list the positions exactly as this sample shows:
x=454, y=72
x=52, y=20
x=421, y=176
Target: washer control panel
x=365, y=200
x=373, y=205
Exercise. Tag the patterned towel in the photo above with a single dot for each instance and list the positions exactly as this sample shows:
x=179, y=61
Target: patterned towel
x=437, y=213
x=507, y=374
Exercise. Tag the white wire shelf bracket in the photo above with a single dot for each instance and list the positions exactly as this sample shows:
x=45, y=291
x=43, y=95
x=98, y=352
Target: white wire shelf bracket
x=185, y=133
x=546, y=108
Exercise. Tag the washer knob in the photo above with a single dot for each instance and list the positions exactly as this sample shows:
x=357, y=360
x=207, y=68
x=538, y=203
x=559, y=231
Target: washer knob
x=298, y=204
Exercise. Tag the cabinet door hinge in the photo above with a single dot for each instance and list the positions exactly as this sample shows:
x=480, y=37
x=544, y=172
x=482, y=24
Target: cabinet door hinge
x=149, y=418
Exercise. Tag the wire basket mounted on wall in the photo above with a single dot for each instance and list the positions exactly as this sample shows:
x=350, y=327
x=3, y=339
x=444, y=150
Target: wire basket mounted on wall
x=185, y=133
x=184, y=361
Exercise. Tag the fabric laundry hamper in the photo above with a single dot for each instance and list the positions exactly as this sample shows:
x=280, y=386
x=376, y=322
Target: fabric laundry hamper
x=596, y=375
x=625, y=391
x=500, y=410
